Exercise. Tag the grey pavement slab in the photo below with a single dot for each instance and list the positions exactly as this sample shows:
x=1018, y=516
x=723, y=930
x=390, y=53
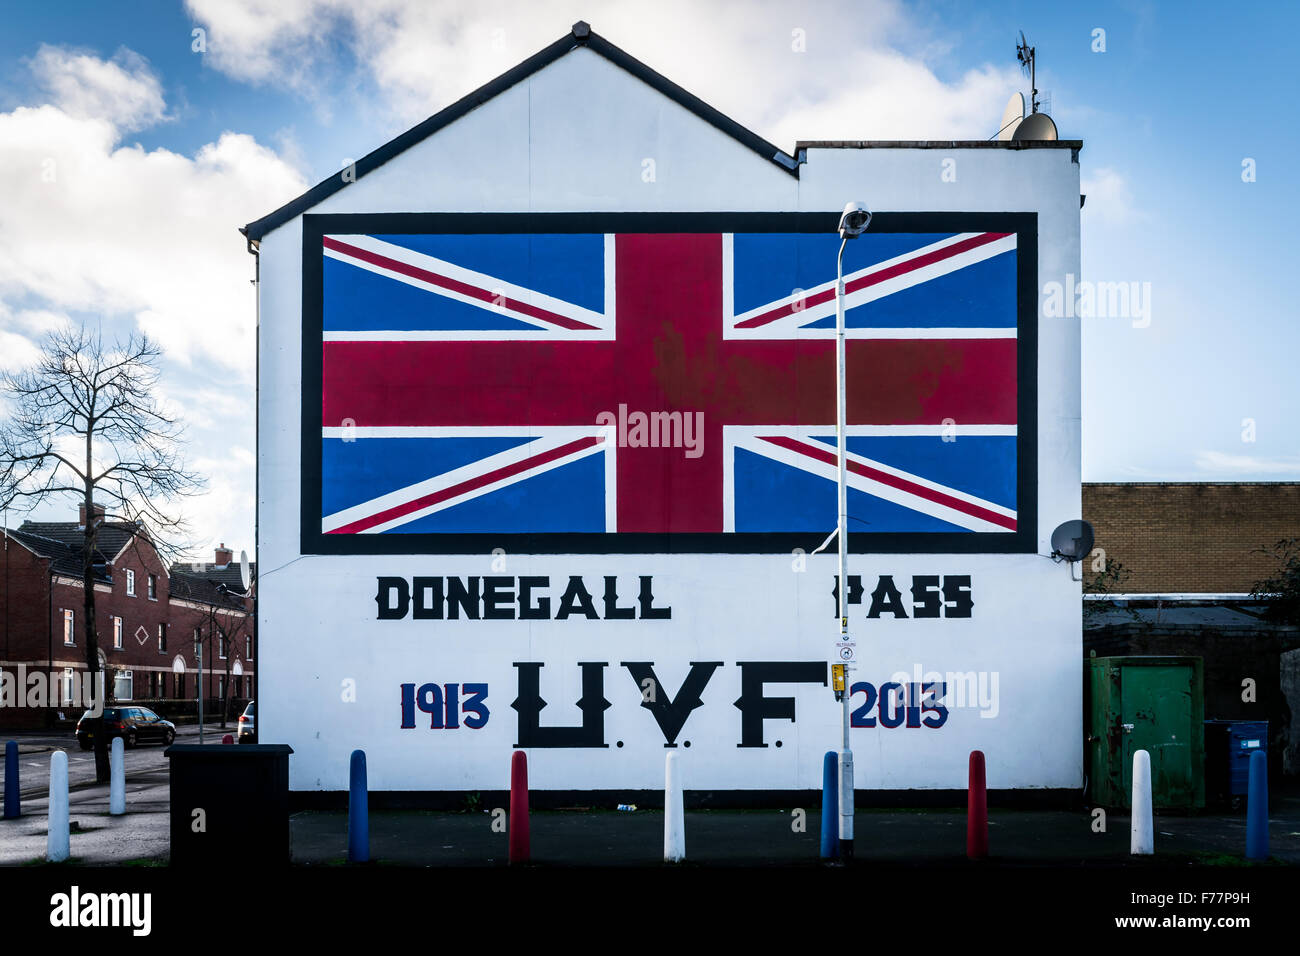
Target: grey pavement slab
x=766, y=837
x=724, y=838
x=97, y=839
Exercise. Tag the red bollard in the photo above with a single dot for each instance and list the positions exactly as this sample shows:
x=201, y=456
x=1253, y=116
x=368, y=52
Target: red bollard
x=977, y=810
x=519, y=807
x=228, y=739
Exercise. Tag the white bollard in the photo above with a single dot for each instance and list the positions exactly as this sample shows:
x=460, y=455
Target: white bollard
x=57, y=847
x=1142, y=841
x=674, y=813
x=116, y=779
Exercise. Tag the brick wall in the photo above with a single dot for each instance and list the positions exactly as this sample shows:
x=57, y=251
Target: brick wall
x=24, y=600
x=1191, y=536
x=31, y=625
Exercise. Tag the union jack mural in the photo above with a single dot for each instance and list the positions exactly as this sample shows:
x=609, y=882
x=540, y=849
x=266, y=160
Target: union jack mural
x=635, y=389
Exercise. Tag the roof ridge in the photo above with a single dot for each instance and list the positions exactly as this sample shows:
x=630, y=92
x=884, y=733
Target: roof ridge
x=579, y=35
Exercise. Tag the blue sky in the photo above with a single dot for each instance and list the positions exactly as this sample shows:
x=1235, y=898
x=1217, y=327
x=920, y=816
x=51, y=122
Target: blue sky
x=142, y=128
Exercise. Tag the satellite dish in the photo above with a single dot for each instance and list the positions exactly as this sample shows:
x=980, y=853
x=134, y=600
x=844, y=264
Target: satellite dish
x=1037, y=126
x=245, y=577
x=1072, y=541
x=1011, y=116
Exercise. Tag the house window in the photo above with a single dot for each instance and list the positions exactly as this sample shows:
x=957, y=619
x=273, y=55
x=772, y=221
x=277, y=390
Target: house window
x=221, y=687
x=198, y=642
x=221, y=646
x=69, y=626
x=162, y=684
x=117, y=633
x=130, y=582
x=248, y=648
x=123, y=685
x=68, y=680
x=153, y=587
x=162, y=638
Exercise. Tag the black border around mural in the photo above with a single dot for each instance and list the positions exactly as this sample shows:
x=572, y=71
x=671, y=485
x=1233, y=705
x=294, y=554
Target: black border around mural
x=1024, y=539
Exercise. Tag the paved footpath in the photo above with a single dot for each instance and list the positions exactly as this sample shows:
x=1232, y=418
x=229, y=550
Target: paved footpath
x=603, y=837
x=768, y=837
x=97, y=838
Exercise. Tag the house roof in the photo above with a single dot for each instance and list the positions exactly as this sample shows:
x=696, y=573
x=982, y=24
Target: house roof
x=63, y=558
x=227, y=574
x=62, y=542
x=198, y=587
x=1160, y=616
x=580, y=35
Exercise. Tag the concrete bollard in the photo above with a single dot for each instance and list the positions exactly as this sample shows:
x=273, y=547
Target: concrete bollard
x=57, y=846
x=1257, y=808
x=519, y=835
x=977, y=809
x=674, y=812
x=13, y=795
x=116, y=779
x=358, y=810
x=1142, y=838
x=830, y=806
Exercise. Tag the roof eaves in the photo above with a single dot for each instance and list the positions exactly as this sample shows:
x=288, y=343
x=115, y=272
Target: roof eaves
x=938, y=144
x=580, y=35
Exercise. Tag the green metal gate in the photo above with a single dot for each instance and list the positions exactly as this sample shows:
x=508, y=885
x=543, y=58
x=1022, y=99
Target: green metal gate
x=1156, y=704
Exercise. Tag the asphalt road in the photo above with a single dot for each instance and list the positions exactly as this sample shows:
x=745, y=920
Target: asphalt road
x=34, y=752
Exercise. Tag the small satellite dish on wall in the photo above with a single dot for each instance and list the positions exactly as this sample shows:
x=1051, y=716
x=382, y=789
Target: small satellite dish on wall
x=1037, y=126
x=1012, y=117
x=1072, y=541
x=245, y=577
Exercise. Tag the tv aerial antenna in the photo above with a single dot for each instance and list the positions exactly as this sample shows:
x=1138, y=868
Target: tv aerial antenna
x=1025, y=54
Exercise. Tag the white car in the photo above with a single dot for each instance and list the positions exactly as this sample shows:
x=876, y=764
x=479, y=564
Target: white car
x=247, y=725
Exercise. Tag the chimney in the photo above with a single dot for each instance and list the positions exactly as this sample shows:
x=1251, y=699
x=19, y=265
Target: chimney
x=81, y=513
x=224, y=555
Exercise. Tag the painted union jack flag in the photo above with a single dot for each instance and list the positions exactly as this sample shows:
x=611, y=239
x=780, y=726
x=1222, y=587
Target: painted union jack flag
x=664, y=383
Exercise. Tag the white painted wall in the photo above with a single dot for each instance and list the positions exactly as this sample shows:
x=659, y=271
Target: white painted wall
x=573, y=138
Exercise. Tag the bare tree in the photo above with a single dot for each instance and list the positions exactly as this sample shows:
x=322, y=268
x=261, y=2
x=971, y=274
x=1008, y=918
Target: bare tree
x=223, y=626
x=85, y=421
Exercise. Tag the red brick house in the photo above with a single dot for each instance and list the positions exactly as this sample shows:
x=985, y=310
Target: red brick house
x=148, y=619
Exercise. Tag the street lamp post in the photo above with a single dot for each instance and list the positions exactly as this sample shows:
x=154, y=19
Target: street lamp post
x=853, y=222
x=198, y=654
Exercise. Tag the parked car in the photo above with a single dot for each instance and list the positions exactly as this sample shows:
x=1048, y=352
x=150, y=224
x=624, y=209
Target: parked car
x=133, y=724
x=248, y=725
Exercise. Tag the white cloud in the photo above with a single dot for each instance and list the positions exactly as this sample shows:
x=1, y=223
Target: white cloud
x=143, y=238
x=816, y=71
x=224, y=511
x=1110, y=201
x=122, y=92
x=16, y=351
x=89, y=225
x=1245, y=466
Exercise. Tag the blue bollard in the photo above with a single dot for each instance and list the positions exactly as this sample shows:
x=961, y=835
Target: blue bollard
x=830, y=806
x=358, y=811
x=1257, y=808
x=13, y=804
